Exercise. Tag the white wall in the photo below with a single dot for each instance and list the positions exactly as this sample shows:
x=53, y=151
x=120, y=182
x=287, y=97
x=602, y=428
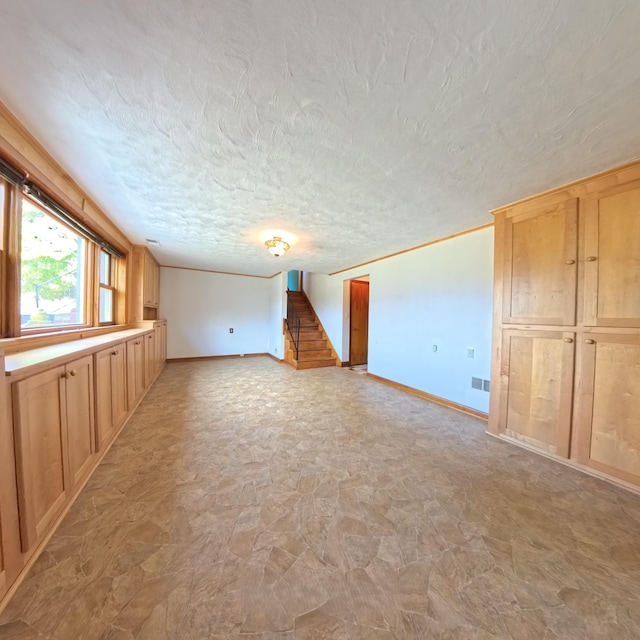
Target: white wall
x=200, y=307
x=439, y=295
x=277, y=312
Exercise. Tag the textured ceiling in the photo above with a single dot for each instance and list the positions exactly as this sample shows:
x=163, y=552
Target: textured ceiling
x=362, y=127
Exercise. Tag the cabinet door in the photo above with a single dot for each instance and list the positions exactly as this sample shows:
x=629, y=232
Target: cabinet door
x=540, y=258
x=149, y=357
x=608, y=404
x=536, y=388
x=41, y=452
x=105, y=428
x=151, y=280
x=120, y=405
x=135, y=370
x=80, y=417
x=612, y=257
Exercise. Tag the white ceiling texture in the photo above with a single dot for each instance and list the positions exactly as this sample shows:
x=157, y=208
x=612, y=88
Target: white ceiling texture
x=362, y=127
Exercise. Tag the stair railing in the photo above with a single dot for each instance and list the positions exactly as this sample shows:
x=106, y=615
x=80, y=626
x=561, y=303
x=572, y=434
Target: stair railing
x=293, y=323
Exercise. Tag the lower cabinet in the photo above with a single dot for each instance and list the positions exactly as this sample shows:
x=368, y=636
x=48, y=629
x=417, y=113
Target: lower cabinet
x=111, y=393
x=536, y=388
x=599, y=427
x=54, y=442
x=135, y=370
x=607, y=420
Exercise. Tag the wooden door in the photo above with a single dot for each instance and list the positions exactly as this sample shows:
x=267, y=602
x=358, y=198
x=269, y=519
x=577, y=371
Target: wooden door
x=536, y=388
x=359, y=343
x=120, y=405
x=612, y=257
x=607, y=424
x=41, y=452
x=540, y=266
x=135, y=370
x=80, y=417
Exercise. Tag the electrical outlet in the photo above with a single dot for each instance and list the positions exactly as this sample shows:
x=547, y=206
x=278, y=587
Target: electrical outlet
x=435, y=348
x=231, y=330
x=276, y=349
x=470, y=352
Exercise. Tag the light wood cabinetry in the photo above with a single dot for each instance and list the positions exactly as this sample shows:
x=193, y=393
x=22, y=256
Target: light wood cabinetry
x=135, y=370
x=53, y=426
x=607, y=421
x=151, y=281
x=144, y=285
x=540, y=265
x=566, y=350
x=61, y=406
x=537, y=385
x=111, y=392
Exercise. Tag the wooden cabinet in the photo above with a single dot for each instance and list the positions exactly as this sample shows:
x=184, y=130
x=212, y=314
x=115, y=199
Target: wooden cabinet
x=150, y=356
x=111, y=393
x=135, y=370
x=151, y=281
x=607, y=424
x=566, y=364
x=80, y=417
x=540, y=265
x=161, y=344
x=537, y=386
x=612, y=257
x=53, y=426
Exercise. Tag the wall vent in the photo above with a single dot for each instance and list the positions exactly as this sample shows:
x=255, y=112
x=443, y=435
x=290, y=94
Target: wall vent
x=476, y=383
x=486, y=385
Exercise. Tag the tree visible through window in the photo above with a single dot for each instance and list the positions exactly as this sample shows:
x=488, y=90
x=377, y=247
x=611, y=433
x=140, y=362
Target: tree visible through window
x=52, y=267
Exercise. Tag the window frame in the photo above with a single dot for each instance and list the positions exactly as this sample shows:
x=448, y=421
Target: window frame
x=87, y=289
x=109, y=287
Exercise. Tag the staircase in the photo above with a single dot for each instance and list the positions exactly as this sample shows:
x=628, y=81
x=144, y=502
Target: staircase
x=314, y=350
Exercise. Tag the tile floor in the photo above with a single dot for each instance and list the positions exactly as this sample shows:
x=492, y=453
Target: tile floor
x=248, y=500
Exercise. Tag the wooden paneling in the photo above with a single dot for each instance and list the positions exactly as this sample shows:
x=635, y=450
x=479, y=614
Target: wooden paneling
x=537, y=384
x=608, y=415
x=612, y=257
x=80, y=417
x=540, y=266
x=41, y=437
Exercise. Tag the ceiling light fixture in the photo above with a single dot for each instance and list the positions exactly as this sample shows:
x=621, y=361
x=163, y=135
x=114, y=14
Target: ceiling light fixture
x=277, y=246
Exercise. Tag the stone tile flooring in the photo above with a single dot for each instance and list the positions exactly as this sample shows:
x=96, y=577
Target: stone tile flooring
x=248, y=500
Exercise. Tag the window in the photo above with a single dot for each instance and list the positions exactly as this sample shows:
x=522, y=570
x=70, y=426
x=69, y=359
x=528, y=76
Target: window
x=107, y=289
x=52, y=271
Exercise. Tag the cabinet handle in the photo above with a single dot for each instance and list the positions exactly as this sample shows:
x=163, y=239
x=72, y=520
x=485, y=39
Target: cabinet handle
x=592, y=258
x=72, y=372
x=589, y=341
x=568, y=340
x=569, y=261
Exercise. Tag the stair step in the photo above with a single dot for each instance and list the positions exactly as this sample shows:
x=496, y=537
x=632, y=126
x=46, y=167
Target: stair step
x=315, y=354
x=314, y=364
x=310, y=334
x=309, y=345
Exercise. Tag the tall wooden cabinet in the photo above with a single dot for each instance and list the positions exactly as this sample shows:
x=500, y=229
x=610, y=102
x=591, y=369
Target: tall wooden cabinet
x=566, y=355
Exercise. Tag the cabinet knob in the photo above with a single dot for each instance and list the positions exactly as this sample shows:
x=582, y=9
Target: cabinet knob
x=72, y=372
x=589, y=341
x=64, y=375
x=114, y=353
x=138, y=342
x=569, y=261
x=568, y=340
x=592, y=258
